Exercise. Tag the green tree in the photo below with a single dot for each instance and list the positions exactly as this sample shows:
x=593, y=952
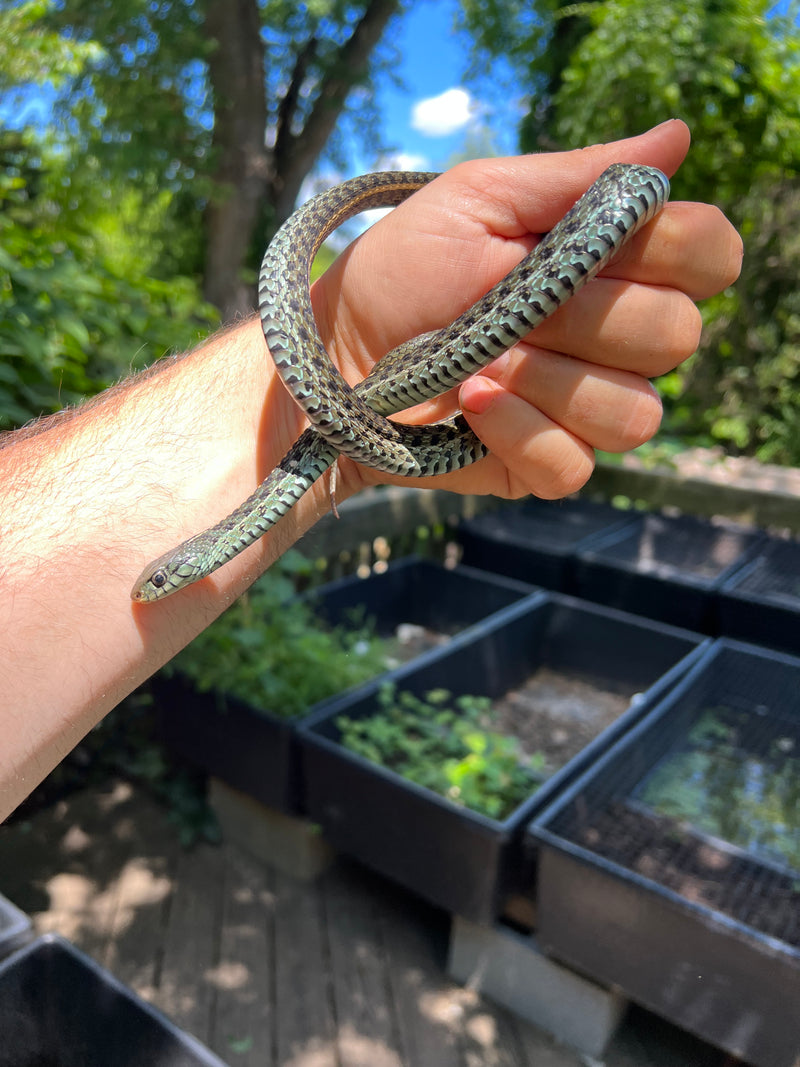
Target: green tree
x=75, y=312
x=731, y=69
x=227, y=103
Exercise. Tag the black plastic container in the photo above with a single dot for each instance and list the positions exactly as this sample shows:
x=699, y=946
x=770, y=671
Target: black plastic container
x=702, y=930
x=454, y=857
x=252, y=748
x=58, y=1007
x=665, y=567
x=760, y=602
x=15, y=927
x=536, y=541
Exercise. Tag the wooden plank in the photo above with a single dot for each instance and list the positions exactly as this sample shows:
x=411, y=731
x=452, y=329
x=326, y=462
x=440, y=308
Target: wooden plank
x=144, y=888
x=427, y=1004
x=187, y=984
x=304, y=1024
x=366, y=1027
x=244, y=1022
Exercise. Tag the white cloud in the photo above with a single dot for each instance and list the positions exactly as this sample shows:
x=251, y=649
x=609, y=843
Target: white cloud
x=403, y=161
x=438, y=116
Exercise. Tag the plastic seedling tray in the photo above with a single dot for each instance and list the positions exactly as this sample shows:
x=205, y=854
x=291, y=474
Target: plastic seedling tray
x=536, y=541
x=669, y=868
x=760, y=602
x=665, y=567
x=461, y=860
x=58, y=1007
x=252, y=748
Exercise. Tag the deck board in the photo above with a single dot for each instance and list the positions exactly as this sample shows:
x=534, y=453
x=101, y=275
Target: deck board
x=245, y=1015
x=347, y=971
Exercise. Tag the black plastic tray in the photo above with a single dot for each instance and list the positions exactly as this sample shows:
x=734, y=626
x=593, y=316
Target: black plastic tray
x=536, y=541
x=666, y=567
x=15, y=927
x=57, y=1006
x=702, y=965
x=252, y=748
x=460, y=860
x=760, y=602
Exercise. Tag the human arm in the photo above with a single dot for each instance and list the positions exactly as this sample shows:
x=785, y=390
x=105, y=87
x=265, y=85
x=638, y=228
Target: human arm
x=88, y=500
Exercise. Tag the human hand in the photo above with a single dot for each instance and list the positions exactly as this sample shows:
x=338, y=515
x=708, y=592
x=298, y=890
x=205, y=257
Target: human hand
x=543, y=407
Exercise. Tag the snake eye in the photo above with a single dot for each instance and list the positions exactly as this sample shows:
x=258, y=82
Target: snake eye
x=159, y=579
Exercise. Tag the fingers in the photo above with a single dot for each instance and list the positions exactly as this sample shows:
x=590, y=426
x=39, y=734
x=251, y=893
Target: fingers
x=691, y=247
x=643, y=328
x=541, y=409
x=606, y=408
x=529, y=194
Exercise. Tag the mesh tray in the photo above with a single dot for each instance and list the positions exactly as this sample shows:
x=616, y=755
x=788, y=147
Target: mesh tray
x=751, y=701
x=665, y=567
x=760, y=602
x=693, y=925
x=535, y=541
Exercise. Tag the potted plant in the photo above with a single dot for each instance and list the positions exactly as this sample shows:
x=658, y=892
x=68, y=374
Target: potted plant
x=230, y=702
x=461, y=859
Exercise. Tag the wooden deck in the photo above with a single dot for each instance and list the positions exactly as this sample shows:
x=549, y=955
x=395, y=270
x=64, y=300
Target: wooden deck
x=269, y=972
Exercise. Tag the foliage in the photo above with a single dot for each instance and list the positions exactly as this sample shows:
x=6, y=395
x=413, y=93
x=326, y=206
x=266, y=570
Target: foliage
x=731, y=68
x=271, y=650
x=446, y=745
x=32, y=51
x=226, y=107
x=73, y=309
x=721, y=786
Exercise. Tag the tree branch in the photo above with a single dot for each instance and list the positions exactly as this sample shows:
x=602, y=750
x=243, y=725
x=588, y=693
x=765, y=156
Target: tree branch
x=301, y=150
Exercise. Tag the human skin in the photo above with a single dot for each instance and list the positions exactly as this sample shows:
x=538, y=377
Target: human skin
x=88, y=498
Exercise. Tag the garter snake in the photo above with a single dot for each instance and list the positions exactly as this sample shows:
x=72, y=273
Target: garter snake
x=351, y=420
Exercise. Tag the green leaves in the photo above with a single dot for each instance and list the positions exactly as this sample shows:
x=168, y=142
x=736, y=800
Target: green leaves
x=604, y=69
x=719, y=785
x=76, y=311
x=446, y=745
x=271, y=650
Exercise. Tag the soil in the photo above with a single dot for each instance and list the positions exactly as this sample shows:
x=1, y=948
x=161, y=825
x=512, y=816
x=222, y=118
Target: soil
x=667, y=852
x=554, y=714
x=557, y=715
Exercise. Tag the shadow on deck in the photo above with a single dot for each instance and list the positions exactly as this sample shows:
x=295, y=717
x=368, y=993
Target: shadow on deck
x=347, y=971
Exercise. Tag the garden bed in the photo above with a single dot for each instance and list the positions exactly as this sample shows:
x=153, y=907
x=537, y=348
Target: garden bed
x=462, y=859
x=58, y=1007
x=670, y=868
x=535, y=541
x=665, y=567
x=249, y=743
x=760, y=602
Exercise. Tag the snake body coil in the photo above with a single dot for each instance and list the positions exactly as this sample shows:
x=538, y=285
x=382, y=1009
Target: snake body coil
x=350, y=420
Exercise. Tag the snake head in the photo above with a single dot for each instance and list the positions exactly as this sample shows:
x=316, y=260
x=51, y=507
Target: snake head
x=164, y=576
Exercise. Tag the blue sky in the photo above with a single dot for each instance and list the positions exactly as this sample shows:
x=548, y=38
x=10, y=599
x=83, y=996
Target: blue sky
x=428, y=111
x=431, y=116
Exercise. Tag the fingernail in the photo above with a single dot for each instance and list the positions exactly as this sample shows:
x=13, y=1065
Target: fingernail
x=478, y=394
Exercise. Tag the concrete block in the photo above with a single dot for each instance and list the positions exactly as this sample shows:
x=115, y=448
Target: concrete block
x=509, y=968
x=293, y=845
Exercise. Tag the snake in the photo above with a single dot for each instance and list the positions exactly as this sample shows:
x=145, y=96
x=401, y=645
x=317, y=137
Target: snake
x=352, y=420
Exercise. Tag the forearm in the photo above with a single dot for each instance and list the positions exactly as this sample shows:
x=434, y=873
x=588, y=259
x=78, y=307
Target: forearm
x=85, y=503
